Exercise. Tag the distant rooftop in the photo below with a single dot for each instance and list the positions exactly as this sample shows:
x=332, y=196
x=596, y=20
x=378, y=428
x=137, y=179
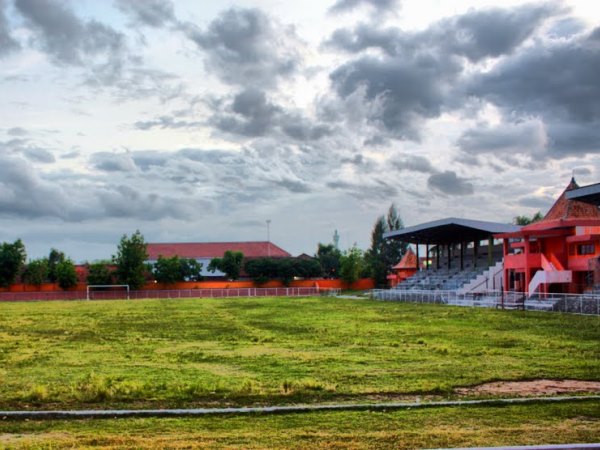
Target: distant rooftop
x=198, y=250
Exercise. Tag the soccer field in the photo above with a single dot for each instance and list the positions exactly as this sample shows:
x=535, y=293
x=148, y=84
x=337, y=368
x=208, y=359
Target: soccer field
x=275, y=351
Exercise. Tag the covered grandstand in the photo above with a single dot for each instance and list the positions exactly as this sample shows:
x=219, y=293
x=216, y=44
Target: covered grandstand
x=550, y=264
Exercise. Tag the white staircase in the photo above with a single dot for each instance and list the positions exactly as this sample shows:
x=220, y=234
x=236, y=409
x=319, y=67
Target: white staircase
x=549, y=273
x=489, y=280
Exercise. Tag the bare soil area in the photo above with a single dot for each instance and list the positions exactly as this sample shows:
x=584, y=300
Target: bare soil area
x=533, y=388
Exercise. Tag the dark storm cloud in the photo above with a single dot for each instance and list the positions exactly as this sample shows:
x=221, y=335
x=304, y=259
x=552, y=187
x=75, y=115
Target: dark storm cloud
x=365, y=191
x=419, y=75
x=408, y=91
x=559, y=79
x=251, y=113
x=244, y=46
x=151, y=13
x=24, y=194
x=17, y=131
x=556, y=82
x=7, y=43
x=449, y=183
x=415, y=163
x=37, y=154
x=69, y=40
x=505, y=139
x=112, y=162
x=166, y=122
x=341, y=6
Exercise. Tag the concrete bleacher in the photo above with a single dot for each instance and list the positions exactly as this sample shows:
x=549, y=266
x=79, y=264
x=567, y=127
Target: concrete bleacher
x=449, y=278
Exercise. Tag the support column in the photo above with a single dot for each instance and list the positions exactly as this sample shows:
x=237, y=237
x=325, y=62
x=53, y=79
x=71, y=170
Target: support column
x=475, y=252
x=491, y=249
x=427, y=256
x=462, y=256
x=527, y=275
x=449, y=257
x=418, y=263
x=505, y=280
x=437, y=256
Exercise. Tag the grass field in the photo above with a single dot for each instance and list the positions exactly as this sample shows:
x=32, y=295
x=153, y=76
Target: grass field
x=167, y=353
x=431, y=428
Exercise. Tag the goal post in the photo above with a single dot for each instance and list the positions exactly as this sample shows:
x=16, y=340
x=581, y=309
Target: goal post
x=89, y=286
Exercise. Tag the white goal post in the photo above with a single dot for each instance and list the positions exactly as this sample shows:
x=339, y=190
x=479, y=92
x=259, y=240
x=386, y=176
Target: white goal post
x=87, y=291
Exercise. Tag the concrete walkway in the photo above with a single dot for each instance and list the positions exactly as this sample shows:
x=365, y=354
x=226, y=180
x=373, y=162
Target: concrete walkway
x=387, y=406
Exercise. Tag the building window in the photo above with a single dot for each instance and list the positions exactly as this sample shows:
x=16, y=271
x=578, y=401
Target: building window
x=586, y=249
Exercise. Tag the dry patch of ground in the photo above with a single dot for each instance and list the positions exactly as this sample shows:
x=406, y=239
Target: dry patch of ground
x=533, y=388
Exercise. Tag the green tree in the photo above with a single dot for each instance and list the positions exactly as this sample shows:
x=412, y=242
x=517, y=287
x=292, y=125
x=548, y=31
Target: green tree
x=130, y=260
x=230, y=264
x=351, y=265
x=66, y=275
x=12, y=261
x=526, y=220
x=261, y=270
x=36, y=272
x=54, y=258
x=191, y=270
x=329, y=258
x=99, y=273
x=385, y=253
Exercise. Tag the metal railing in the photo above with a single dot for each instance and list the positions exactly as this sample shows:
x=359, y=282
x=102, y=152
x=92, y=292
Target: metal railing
x=587, y=304
x=168, y=293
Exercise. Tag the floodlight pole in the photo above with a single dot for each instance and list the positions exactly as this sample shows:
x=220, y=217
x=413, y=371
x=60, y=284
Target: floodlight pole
x=269, y=237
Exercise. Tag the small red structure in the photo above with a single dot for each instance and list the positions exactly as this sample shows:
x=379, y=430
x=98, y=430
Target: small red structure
x=556, y=254
x=406, y=268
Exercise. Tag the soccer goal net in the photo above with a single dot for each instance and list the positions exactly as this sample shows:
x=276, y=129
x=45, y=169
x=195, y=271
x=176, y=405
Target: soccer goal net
x=102, y=291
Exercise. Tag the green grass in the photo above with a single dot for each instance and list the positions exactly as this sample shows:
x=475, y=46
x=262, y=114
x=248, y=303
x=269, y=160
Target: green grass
x=161, y=353
x=431, y=428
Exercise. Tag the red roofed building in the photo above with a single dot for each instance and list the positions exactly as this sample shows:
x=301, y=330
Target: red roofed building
x=557, y=254
x=203, y=252
x=407, y=267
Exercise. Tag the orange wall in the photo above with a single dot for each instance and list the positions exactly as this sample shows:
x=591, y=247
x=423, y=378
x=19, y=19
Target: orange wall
x=362, y=284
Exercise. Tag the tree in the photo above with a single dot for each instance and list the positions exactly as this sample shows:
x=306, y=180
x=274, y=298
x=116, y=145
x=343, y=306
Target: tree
x=526, y=220
x=130, y=260
x=191, y=270
x=12, y=260
x=99, y=274
x=351, y=265
x=385, y=253
x=66, y=275
x=230, y=264
x=36, y=272
x=54, y=258
x=329, y=258
x=174, y=269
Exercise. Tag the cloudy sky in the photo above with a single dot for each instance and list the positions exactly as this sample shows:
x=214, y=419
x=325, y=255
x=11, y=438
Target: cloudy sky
x=198, y=121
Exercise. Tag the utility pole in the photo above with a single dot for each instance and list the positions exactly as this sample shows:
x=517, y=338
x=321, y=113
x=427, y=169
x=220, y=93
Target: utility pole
x=269, y=237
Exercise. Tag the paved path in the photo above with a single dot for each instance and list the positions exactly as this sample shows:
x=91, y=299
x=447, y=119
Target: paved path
x=387, y=406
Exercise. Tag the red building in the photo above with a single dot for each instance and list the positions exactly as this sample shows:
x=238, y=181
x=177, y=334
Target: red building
x=557, y=254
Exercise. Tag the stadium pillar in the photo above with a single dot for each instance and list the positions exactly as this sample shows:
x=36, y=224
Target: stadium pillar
x=462, y=256
x=475, y=252
x=449, y=262
x=427, y=256
x=491, y=249
x=418, y=263
x=437, y=256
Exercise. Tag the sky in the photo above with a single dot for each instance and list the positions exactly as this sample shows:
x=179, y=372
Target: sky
x=200, y=121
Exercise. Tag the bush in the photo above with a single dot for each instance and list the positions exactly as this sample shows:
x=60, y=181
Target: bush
x=66, y=275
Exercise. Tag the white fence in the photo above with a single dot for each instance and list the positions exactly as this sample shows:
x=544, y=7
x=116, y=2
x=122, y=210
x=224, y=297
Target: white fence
x=587, y=304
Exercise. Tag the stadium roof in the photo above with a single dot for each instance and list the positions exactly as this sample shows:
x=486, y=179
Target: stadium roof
x=197, y=250
x=587, y=194
x=450, y=231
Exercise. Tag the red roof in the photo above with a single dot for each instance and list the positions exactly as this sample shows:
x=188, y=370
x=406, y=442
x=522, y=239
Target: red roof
x=408, y=261
x=566, y=212
x=215, y=249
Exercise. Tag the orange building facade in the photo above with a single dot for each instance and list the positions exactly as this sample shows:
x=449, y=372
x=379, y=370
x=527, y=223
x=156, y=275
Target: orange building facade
x=560, y=253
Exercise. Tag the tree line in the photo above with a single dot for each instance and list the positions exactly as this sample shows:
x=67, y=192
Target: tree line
x=129, y=264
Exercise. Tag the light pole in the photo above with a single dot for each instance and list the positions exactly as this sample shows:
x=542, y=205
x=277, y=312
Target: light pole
x=269, y=237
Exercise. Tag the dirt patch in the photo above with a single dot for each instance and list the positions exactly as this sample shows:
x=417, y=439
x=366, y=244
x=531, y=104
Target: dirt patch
x=533, y=388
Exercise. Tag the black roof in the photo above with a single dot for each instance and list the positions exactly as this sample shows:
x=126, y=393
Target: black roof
x=450, y=231
x=587, y=194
